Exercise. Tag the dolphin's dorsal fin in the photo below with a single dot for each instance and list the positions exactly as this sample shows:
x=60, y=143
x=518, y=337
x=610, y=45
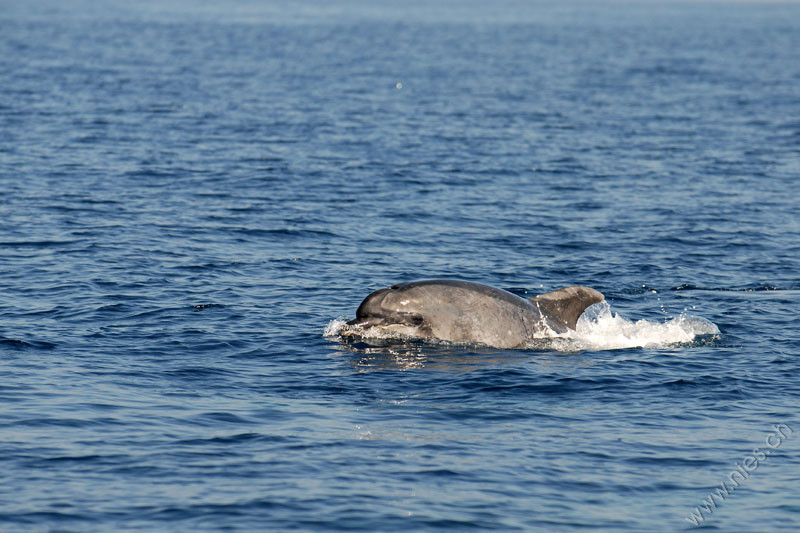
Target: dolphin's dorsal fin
x=567, y=304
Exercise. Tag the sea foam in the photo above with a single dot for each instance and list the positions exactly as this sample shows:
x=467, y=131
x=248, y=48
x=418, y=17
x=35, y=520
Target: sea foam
x=599, y=328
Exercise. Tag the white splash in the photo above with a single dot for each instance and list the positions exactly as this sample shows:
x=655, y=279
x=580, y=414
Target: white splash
x=600, y=329
x=334, y=327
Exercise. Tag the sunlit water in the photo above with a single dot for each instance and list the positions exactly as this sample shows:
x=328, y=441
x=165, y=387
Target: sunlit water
x=193, y=194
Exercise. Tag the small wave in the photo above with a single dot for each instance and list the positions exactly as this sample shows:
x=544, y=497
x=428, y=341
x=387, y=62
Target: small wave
x=19, y=344
x=39, y=244
x=754, y=288
x=203, y=307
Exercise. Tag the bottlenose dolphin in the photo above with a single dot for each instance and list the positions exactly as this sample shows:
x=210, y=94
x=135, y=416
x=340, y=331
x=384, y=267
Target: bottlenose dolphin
x=461, y=311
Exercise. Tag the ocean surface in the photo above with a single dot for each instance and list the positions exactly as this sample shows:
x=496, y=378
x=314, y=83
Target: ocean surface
x=194, y=196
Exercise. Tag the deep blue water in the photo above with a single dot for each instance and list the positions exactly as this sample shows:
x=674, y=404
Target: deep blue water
x=191, y=193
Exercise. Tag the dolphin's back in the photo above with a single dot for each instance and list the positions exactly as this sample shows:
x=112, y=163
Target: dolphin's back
x=467, y=287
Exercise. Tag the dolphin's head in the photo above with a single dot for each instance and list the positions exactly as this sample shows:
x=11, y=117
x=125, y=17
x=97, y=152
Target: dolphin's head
x=395, y=309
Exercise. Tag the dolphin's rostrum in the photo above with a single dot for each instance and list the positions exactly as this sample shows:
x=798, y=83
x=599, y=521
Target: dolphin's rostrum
x=461, y=311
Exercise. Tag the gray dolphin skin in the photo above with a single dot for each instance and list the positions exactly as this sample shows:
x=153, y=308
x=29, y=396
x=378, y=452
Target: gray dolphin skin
x=465, y=312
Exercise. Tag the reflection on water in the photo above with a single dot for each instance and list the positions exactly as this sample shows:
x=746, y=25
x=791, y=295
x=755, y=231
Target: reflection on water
x=368, y=355
x=395, y=354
